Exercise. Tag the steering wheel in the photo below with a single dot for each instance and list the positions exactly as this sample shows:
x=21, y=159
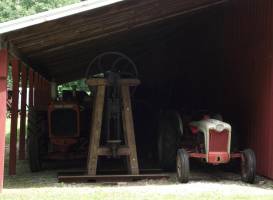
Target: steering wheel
x=114, y=62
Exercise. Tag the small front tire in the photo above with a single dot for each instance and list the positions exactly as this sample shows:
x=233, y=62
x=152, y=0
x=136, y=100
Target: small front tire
x=248, y=166
x=182, y=166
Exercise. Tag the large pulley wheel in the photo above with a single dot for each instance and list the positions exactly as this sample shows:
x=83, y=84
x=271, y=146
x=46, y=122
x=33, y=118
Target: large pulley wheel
x=248, y=166
x=115, y=62
x=182, y=166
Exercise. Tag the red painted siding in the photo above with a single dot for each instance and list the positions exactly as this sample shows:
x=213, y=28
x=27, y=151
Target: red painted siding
x=249, y=78
x=3, y=98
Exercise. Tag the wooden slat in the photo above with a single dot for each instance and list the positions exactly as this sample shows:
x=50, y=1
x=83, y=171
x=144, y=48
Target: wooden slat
x=101, y=81
x=110, y=178
x=106, y=151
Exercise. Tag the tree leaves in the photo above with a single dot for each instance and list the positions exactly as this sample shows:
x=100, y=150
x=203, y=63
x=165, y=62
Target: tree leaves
x=13, y=9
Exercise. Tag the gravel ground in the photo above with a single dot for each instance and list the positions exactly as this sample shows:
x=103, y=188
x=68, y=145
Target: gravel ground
x=206, y=183
x=209, y=182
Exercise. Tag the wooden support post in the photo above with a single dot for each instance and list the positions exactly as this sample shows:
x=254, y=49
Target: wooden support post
x=48, y=92
x=3, y=109
x=39, y=91
x=96, y=123
x=30, y=82
x=129, y=150
x=129, y=133
x=22, y=137
x=43, y=99
x=14, y=117
x=35, y=86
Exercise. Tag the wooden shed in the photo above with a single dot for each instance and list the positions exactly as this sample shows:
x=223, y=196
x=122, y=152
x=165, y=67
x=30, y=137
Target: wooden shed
x=189, y=53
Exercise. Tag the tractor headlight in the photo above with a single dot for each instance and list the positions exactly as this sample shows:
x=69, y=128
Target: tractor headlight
x=220, y=127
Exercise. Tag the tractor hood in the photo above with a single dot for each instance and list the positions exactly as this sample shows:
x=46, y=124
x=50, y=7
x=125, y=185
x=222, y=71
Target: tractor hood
x=205, y=125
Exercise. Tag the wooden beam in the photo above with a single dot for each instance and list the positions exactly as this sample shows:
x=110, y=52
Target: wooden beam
x=35, y=86
x=14, y=117
x=17, y=54
x=3, y=108
x=22, y=139
x=121, y=151
x=95, y=132
x=31, y=87
x=101, y=81
x=128, y=126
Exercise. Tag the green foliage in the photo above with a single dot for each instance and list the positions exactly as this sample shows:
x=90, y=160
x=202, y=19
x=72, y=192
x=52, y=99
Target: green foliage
x=13, y=9
x=80, y=85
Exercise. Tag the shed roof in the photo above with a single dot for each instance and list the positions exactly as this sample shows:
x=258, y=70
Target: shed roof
x=60, y=43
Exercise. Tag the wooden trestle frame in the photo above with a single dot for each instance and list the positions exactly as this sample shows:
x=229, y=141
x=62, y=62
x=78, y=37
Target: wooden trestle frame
x=129, y=149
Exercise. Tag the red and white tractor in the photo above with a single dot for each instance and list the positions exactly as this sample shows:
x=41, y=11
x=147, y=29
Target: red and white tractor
x=204, y=137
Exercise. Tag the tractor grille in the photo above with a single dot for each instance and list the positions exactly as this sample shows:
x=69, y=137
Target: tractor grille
x=218, y=141
x=64, y=123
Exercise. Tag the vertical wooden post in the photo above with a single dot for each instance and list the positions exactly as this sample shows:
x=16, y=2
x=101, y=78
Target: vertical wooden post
x=3, y=109
x=14, y=116
x=42, y=91
x=44, y=97
x=35, y=86
x=23, y=113
x=48, y=92
x=95, y=131
x=39, y=90
x=129, y=132
x=30, y=82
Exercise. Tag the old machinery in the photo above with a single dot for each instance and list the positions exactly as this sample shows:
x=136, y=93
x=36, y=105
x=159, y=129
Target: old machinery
x=110, y=76
x=202, y=136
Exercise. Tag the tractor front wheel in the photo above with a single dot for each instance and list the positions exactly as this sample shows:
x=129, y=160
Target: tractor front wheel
x=248, y=166
x=182, y=166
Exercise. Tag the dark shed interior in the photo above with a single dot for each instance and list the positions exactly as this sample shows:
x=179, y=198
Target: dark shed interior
x=216, y=57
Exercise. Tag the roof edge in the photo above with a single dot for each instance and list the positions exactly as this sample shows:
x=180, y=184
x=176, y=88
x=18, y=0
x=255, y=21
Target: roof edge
x=54, y=14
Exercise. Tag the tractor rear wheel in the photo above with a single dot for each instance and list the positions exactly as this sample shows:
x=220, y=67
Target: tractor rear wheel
x=35, y=143
x=182, y=166
x=169, y=133
x=248, y=166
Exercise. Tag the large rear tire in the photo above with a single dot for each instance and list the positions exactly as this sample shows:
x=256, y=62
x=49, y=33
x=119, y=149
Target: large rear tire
x=168, y=140
x=35, y=141
x=248, y=166
x=182, y=166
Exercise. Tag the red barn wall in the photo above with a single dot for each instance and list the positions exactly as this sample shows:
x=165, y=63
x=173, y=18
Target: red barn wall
x=249, y=75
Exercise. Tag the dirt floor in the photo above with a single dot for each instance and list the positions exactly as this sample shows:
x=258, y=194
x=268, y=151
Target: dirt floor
x=208, y=183
x=205, y=183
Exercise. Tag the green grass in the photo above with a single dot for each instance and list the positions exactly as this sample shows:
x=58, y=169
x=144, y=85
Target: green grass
x=7, y=130
x=44, y=186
